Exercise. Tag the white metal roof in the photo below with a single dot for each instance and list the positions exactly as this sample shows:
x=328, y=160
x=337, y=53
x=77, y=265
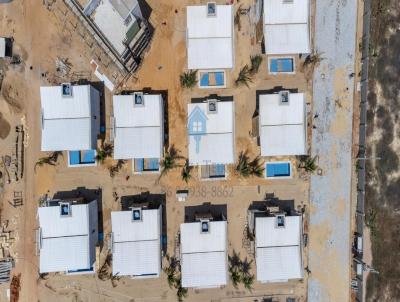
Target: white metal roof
x=136, y=244
x=278, y=250
x=110, y=16
x=210, y=39
x=68, y=243
x=282, y=126
x=279, y=264
x=138, y=129
x=267, y=235
x=286, y=27
x=203, y=256
x=2, y=47
x=68, y=123
x=216, y=145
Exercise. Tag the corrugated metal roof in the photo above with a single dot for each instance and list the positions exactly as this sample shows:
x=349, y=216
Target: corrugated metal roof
x=193, y=241
x=53, y=225
x=76, y=113
x=124, y=229
x=138, y=129
x=203, y=255
x=267, y=235
x=210, y=39
x=284, y=39
x=279, y=264
x=2, y=47
x=55, y=106
x=213, y=149
x=282, y=126
x=216, y=145
x=137, y=258
x=278, y=250
x=204, y=269
x=68, y=243
x=62, y=254
x=136, y=244
x=286, y=29
x=278, y=12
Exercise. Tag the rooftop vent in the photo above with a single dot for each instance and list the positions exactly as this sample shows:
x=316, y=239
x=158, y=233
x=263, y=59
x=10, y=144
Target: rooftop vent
x=138, y=99
x=280, y=221
x=284, y=97
x=136, y=214
x=66, y=90
x=211, y=9
x=205, y=226
x=212, y=106
x=65, y=209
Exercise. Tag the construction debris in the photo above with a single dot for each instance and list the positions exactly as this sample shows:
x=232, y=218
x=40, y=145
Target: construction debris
x=5, y=270
x=15, y=288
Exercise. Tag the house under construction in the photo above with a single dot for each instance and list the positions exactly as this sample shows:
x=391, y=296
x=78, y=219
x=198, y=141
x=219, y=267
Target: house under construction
x=119, y=26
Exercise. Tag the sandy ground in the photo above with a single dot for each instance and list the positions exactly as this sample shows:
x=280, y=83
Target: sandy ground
x=41, y=37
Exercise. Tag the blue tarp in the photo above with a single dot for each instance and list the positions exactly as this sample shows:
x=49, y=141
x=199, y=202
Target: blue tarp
x=277, y=169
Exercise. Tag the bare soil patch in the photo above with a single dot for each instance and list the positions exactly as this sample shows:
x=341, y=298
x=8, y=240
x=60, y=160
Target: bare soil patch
x=383, y=182
x=4, y=127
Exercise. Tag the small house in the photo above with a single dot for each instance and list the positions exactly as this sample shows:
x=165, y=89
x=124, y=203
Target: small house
x=278, y=248
x=204, y=253
x=70, y=121
x=282, y=124
x=211, y=135
x=136, y=242
x=67, y=236
x=286, y=27
x=210, y=42
x=138, y=130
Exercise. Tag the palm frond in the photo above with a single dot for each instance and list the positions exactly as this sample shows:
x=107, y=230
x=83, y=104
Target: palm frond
x=255, y=63
x=188, y=79
x=244, y=77
x=186, y=172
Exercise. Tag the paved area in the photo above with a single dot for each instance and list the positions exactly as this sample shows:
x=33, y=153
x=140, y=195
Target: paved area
x=330, y=247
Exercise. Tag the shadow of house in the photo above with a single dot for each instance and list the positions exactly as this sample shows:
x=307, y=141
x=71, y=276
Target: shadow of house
x=150, y=201
x=206, y=211
x=99, y=86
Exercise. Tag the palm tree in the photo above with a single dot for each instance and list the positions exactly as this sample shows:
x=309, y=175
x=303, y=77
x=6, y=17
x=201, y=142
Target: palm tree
x=248, y=281
x=255, y=63
x=118, y=166
x=51, y=159
x=188, y=79
x=257, y=167
x=312, y=59
x=243, y=167
x=106, y=150
x=186, y=172
x=309, y=164
x=235, y=277
x=169, y=161
x=181, y=291
x=244, y=76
